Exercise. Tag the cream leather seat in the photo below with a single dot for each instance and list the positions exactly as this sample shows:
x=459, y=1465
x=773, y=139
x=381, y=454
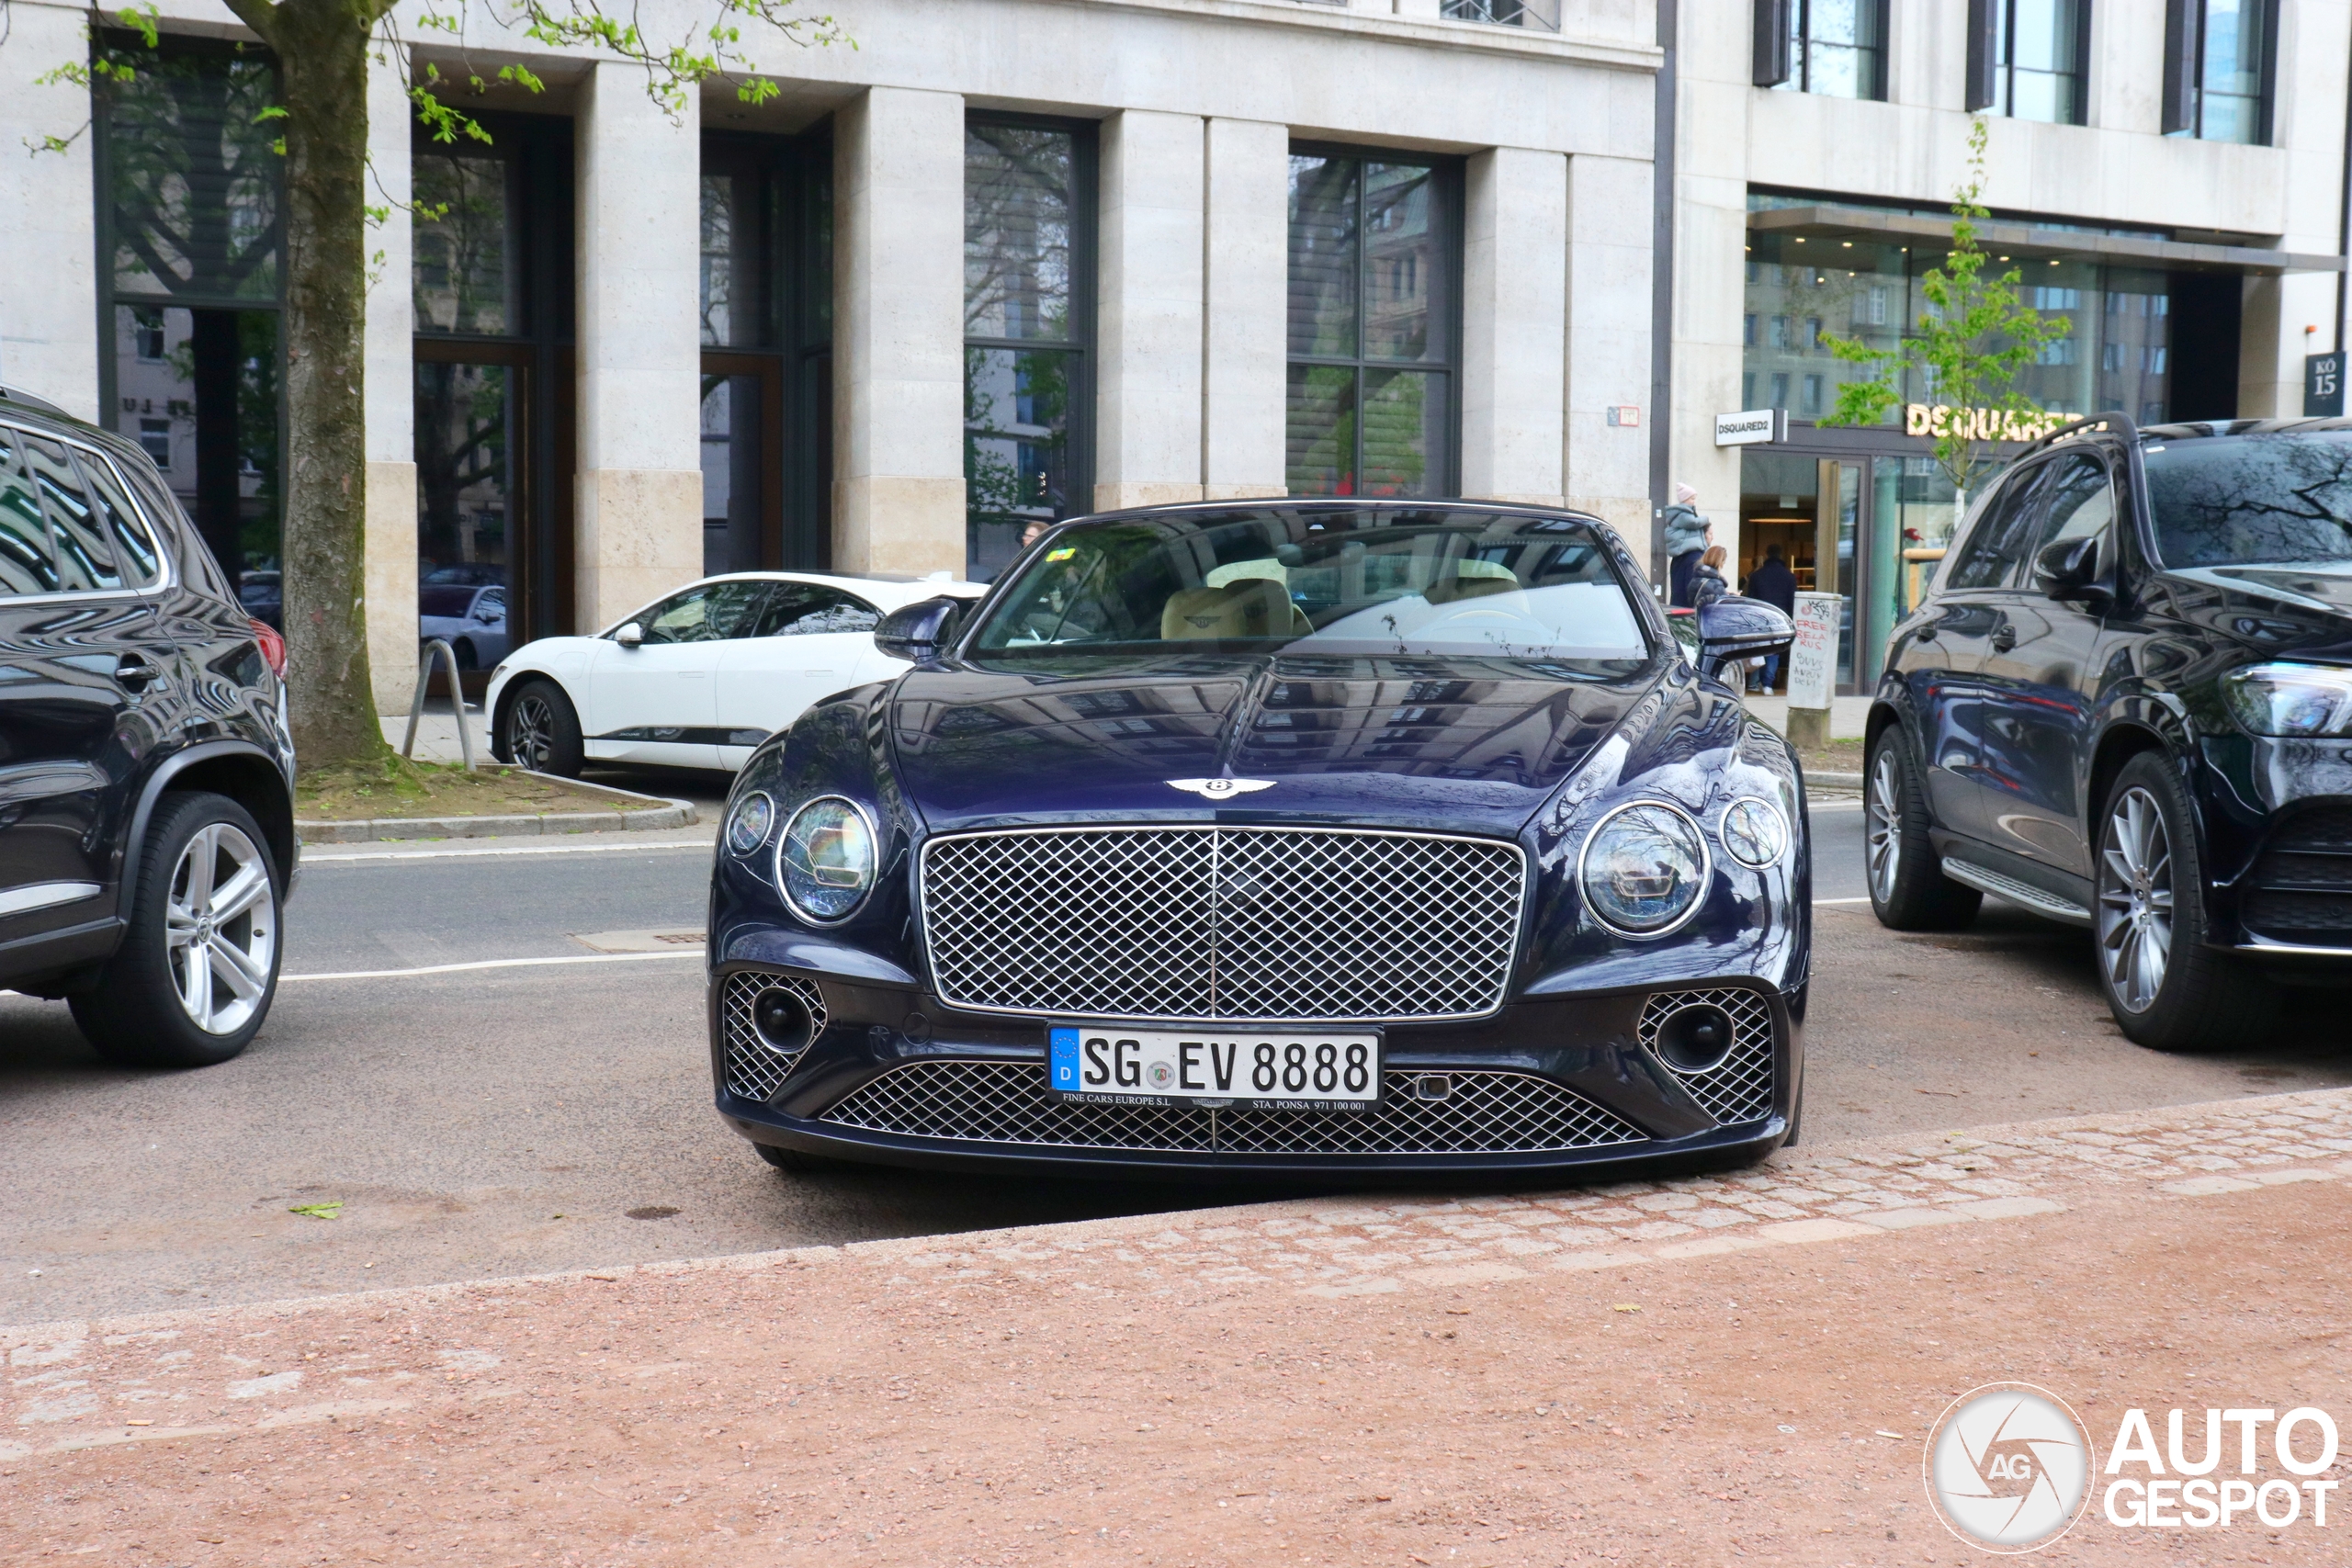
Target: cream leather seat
x=1246, y=607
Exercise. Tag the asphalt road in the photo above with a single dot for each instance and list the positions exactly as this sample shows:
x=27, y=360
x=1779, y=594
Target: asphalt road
x=476, y=1121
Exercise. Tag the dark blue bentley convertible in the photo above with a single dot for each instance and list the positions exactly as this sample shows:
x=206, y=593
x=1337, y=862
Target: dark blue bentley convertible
x=1325, y=840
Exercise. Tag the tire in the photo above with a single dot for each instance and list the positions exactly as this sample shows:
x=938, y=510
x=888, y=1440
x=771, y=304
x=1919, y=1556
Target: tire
x=540, y=729
x=792, y=1162
x=159, y=1002
x=1909, y=891
x=2168, y=990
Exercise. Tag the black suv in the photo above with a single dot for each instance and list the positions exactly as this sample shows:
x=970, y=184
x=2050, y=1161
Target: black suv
x=146, y=773
x=2127, y=704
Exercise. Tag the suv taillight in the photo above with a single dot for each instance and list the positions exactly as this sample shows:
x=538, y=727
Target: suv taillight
x=273, y=647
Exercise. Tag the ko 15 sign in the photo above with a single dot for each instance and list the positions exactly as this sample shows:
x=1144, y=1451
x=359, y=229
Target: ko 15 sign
x=1813, y=658
x=2324, y=385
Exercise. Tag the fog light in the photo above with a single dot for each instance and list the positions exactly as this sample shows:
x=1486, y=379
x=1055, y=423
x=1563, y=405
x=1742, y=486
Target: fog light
x=1695, y=1039
x=783, y=1020
x=1432, y=1086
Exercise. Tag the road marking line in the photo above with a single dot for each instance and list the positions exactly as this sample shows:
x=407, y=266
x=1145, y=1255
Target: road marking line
x=488, y=964
x=311, y=860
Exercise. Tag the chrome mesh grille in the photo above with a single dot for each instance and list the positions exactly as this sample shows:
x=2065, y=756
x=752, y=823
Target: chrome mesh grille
x=1740, y=1087
x=1240, y=924
x=755, y=1069
x=1008, y=1103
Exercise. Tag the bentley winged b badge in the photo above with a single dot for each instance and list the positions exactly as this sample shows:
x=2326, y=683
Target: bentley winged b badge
x=1219, y=789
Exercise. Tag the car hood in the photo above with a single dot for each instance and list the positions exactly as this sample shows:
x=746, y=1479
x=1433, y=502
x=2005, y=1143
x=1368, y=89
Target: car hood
x=2300, y=611
x=1464, y=744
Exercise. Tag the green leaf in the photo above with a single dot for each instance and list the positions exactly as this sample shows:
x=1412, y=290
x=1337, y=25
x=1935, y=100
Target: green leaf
x=319, y=1211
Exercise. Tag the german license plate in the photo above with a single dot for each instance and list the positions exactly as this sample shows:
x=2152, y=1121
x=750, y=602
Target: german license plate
x=1257, y=1070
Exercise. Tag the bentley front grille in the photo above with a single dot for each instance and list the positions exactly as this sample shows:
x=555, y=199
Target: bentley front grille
x=1246, y=924
x=1739, y=1087
x=756, y=1068
x=1008, y=1103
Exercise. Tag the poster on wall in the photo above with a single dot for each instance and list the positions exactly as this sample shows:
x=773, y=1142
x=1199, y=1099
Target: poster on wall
x=1812, y=660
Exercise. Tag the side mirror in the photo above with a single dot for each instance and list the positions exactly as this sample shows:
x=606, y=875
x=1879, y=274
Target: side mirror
x=918, y=632
x=2064, y=569
x=1733, y=629
x=628, y=634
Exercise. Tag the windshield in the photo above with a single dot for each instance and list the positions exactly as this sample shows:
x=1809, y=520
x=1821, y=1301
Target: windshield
x=1323, y=580
x=2240, y=500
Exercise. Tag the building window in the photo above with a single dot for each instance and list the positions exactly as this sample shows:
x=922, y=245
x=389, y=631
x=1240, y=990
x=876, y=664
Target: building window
x=1837, y=47
x=191, y=187
x=2041, y=50
x=1371, y=362
x=492, y=278
x=1028, y=330
x=2221, y=59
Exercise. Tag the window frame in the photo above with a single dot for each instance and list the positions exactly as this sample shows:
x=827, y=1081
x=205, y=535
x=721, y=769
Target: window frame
x=1449, y=215
x=1800, y=52
x=1083, y=344
x=2186, y=26
x=2005, y=63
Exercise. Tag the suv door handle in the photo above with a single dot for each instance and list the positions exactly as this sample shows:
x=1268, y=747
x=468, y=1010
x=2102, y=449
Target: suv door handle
x=2005, y=637
x=134, y=672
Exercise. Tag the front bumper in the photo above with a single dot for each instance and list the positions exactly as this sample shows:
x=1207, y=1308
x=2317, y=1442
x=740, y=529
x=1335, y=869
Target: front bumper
x=1563, y=1084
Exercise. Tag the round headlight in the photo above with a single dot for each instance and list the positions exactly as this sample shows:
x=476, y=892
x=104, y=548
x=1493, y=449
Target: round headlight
x=1643, y=868
x=748, y=824
x=1754, y=833
x=825, y=863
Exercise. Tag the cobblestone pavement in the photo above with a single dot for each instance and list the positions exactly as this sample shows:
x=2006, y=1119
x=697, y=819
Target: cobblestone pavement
x=77, y=1385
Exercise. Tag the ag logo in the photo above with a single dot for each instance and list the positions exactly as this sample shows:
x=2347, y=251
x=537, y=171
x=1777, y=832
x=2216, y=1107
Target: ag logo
x=2008, y=1467
x=1220, y=789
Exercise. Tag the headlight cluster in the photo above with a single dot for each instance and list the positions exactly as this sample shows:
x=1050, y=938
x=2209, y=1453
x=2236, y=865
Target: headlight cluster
x=826, y=862
x=1643, y=869
x=2291, y=700
x=1645, y=865
x=749, y=821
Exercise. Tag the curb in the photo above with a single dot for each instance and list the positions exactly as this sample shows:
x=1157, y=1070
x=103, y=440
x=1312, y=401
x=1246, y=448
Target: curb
x=646, y=813
x=1827, y=780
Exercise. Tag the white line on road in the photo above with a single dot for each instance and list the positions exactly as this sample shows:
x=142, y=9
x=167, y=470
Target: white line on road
x=489, y=964
x=311, y=861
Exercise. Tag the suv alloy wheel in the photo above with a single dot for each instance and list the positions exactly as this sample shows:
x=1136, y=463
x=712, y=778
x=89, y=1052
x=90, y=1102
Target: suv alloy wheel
x=2167, y=988
x=1909, y=889
x=198, y=968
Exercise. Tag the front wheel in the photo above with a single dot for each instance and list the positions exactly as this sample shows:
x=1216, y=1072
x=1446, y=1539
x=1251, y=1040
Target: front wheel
x=198, y=967
x=2167, y=989
x=1909, y=891
x=540, y=730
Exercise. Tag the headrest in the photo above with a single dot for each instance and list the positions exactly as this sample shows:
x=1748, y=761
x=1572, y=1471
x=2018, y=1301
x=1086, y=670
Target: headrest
x=1248, y=607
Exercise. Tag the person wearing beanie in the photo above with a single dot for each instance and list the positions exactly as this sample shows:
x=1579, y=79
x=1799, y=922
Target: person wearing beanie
x=1686, y=534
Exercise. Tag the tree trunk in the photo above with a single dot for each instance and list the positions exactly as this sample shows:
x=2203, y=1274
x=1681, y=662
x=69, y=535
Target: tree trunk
x=321, y=48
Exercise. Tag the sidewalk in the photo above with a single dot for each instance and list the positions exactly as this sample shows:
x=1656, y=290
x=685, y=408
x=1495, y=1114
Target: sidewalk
x=1700, y=1370
x=436, y=732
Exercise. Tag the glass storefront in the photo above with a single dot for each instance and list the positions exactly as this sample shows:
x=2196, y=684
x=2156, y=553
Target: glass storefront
x=1804, y=289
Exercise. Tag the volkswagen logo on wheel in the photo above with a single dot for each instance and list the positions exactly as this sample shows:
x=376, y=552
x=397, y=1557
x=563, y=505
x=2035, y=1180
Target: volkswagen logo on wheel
x=2008, y=1467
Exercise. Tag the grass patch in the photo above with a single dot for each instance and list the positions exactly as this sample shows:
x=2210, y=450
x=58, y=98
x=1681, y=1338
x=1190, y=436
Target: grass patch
x=1837, y=757
x=400, y=788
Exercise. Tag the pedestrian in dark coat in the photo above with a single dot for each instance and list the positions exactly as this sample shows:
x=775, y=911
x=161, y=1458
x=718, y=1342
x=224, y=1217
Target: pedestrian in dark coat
x=1707, y=583
x=1774, y=583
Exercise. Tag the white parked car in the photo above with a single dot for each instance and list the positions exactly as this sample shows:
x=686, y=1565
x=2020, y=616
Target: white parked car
x=699, y=678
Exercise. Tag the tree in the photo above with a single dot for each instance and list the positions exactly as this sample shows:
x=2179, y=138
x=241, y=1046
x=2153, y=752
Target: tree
x=1972, y=341
x=322, y=49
